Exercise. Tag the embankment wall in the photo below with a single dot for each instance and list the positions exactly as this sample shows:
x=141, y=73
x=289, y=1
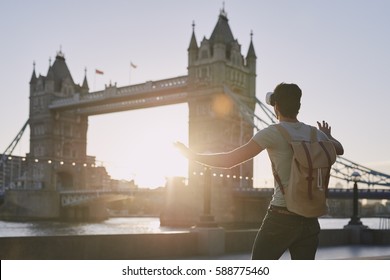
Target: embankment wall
x=175, y=245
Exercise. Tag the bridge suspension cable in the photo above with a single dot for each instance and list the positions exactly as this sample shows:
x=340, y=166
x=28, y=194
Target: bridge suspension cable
x=342, y=169
x=249, y=114
x=9, y=150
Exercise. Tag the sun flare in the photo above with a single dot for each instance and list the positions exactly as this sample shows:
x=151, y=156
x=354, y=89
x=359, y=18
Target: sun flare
x=139, y=144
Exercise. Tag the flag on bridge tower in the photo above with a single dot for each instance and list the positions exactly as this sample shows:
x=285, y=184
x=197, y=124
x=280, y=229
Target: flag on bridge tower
x=97, y=72
x=133, y=65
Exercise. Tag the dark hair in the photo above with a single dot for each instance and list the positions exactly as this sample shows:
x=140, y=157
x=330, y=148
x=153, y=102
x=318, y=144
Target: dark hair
x=288, y=98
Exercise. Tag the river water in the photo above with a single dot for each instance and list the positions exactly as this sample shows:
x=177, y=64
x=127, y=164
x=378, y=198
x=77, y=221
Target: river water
x=132, y=225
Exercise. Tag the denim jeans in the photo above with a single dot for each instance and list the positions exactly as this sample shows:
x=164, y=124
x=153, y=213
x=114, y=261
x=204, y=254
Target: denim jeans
x=280, y=232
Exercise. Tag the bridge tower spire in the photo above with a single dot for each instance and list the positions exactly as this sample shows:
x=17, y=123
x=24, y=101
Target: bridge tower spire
x=192, y=50
x=215, y=123
x=85, y=87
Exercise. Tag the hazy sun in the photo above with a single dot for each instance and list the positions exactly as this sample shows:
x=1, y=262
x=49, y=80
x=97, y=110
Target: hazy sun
x=138, y=145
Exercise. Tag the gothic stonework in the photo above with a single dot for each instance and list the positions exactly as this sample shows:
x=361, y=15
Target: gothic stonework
x=57, y=139
x=215, y=122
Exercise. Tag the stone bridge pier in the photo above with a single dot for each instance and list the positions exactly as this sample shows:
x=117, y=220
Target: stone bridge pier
x=85, y=212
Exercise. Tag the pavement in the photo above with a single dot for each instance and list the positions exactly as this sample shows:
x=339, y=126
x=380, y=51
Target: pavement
x=350, y=252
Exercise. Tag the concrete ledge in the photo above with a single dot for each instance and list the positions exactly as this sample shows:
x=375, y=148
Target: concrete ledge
x=100, y=247
x=363, y=236
x=377, y=237
x=211, y=241
x=237, y=241
x=334, y=237
x=175, y=245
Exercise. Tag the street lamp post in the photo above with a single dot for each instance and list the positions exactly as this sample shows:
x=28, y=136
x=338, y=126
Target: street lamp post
x=355, y=220
x=211, y=237
x=207, y=219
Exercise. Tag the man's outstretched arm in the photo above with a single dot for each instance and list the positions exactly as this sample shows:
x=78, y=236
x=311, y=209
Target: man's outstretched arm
x=222, y=160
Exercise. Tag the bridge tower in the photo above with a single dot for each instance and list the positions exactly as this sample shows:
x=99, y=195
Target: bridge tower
x=215, y=122
x=57, y=139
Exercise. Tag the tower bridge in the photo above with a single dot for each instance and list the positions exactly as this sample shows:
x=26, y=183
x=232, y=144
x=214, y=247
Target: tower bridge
x=220, y=90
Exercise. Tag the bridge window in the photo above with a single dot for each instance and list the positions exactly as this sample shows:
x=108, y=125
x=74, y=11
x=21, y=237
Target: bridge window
x=203, y=73
x=77, y=132
x=39, y=129
x=37, y=172
x=204, y=54
x=228, y=54
x=67, y=130
x=38, y=104
x=67, y=89
x=39, y=85
x=39, y=150
x=66, y=150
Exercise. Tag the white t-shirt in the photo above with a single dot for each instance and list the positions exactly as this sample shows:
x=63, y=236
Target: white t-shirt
x=280, y=152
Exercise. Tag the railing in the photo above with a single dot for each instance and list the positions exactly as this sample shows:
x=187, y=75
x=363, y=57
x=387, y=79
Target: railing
x=333, y=193
x=137, y=103
x=77, y=197
x=363, y=193
x=112, y=91
x=384, y=223
x=102, y=191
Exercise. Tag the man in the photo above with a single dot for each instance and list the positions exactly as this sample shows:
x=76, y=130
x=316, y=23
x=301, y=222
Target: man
x=281, y=229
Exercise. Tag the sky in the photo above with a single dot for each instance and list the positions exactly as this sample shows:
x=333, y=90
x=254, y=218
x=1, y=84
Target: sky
x=338, y=52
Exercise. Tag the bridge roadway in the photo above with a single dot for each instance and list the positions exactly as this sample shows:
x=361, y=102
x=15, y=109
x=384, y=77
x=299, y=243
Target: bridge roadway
x=78, y=197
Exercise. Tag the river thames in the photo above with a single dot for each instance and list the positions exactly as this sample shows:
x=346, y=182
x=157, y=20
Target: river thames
x=134, y=225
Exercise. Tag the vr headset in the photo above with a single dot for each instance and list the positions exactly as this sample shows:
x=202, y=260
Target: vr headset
x=270, y=98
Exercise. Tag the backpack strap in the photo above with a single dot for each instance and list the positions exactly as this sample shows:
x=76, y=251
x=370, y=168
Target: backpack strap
x=277, y=178
x=288, y=138
x=330, y=166
x=309, y=177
